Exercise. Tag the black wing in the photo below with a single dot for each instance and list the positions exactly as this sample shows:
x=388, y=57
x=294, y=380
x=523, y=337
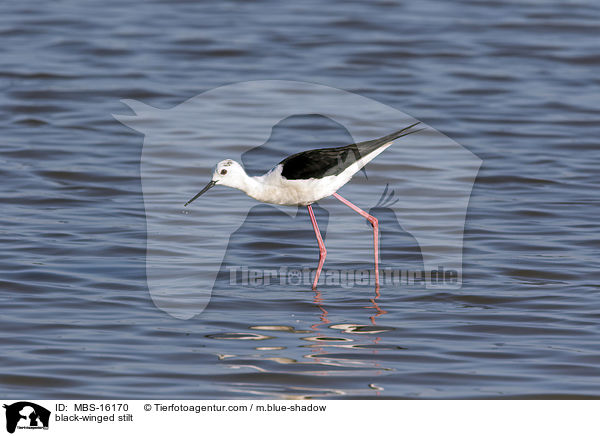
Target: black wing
x=324, y=162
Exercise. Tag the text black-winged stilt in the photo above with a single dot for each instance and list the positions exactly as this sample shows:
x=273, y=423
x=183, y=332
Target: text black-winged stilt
x=307, y=177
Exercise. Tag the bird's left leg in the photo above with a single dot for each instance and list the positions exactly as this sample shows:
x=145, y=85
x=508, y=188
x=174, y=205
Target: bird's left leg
x=375, y=225
x=322, y=250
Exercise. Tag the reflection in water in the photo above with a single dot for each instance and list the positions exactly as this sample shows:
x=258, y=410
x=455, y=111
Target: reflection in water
x=337, y=349
x=360, y=329
x=318, y=300
x=378, y=310
x=278, y=328
x=239, y=336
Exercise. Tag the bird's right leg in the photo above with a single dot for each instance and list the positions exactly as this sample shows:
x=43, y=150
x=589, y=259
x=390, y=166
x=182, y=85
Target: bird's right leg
x=375, y=225
x=322, y=250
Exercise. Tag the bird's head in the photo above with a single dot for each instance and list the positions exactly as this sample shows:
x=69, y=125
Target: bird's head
x=227, y=172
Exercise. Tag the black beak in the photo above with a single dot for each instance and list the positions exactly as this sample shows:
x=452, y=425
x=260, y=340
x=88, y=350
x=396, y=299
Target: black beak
x=206, y=188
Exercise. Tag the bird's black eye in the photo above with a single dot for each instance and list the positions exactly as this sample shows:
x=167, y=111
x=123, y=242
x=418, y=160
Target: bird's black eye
x=223, y=172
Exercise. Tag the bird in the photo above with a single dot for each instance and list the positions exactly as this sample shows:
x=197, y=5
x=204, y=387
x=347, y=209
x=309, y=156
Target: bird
x=307, y=177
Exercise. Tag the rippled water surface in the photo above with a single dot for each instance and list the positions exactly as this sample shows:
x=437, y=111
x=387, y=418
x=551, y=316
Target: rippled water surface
x=516, y=83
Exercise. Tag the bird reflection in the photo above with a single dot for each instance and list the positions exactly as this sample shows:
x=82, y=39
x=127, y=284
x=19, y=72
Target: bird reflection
x=318, y=300
x=378, y=310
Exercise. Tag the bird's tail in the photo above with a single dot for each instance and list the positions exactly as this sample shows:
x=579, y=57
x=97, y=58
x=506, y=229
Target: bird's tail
x=392, y=136
x=367, y=147
x=363, y=149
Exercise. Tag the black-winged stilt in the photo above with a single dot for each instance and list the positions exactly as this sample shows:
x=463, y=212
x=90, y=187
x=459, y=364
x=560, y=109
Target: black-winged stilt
x=307, y=177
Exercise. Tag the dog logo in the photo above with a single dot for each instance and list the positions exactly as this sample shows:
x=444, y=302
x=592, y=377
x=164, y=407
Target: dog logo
x=26, y=415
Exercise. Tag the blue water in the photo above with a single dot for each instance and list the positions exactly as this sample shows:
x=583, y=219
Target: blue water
x=516, y=83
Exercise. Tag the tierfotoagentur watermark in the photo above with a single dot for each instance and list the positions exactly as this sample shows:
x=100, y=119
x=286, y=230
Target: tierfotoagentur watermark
x=345, y=278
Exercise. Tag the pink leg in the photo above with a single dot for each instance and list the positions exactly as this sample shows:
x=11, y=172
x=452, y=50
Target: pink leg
x=375, y=225
x=322, y=250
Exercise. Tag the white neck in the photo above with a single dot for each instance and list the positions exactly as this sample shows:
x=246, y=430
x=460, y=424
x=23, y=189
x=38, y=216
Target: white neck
x=252, y=186
x=272, y=188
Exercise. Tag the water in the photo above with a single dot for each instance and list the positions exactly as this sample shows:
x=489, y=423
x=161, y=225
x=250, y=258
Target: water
x=515, y=83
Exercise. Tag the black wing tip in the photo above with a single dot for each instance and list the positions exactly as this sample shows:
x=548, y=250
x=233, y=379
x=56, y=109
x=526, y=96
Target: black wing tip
x=403, y=132
x=369, y=146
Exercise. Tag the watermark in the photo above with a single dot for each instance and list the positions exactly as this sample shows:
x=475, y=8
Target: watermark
x=428, y=176
x=344, y=278
x=25, y=415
